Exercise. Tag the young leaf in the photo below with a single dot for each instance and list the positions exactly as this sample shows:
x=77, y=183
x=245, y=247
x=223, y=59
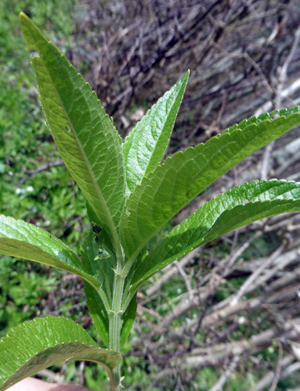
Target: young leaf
x=85, y=136
x=104, y=274
x=97, y=265
x=98, y=312
x=146, y=144
x=127, y=320
x=183, y=176
x=24, y=240
x=94, y=219
x=233, y=209
x=40, y=343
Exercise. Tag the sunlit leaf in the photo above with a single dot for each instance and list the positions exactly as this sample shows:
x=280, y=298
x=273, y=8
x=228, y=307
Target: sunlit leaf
x=233, y=209
x=40, y=343
x=85, y=136
x=24, y=240
x=183, y=176
x=146, y=144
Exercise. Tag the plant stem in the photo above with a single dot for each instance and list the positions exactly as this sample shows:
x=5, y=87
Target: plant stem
x=115, y=323
x=114, y=343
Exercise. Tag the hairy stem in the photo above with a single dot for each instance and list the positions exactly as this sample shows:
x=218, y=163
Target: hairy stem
x=115, y=316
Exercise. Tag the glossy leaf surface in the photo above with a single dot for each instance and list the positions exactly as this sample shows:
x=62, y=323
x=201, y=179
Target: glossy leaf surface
x=85, y=136
x=98, y=269
x=146, y=144
x=183, y=176
x=233, y=209
x=127, y=320
x=40, y=343
x=24, y=240
x=98, y=312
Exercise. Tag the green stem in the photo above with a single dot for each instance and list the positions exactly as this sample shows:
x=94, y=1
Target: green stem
x=115, y=316
x=128, y=264
x=114, y=342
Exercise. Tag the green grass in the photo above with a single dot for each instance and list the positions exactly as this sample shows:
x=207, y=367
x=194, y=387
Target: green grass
x=49, y=198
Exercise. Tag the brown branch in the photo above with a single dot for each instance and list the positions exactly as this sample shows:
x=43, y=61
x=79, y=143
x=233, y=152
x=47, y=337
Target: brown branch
x=216, y=355
x=187, y=304
x=278, y=368
x=171, y=272
x=222, y=380
x=268, y=378
x=41, y=168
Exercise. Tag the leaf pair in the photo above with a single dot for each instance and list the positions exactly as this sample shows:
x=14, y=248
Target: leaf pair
x=235, y=208
x=183, y=176
x=172, y=185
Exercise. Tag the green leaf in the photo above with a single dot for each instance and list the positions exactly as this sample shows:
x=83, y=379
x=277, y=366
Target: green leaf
x=98, y=312
x=99, y=269
x=102, y=269
x=146, y=144
x=104, y=236
x=24, y=240
x=40, y=343
x=128, y=320
x=183, y=176
x=85, y=136
x=233, y=209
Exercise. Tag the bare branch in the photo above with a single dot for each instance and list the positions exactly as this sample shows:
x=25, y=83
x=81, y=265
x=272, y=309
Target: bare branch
x=268, y=378
x=171, y=272
x=245, y=287
x=222, y=380
x=41, y=168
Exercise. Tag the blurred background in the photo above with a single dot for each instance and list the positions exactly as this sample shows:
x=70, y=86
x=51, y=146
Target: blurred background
x=227, y=316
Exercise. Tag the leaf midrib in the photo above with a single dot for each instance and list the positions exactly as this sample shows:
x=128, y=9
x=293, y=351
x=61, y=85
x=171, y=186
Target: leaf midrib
x=76, y=270
x=136, y=252
x=100, y=196
x=157, y=142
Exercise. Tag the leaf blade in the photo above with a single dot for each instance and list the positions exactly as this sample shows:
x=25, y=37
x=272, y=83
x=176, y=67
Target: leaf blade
x=98, y=312
x=24, y=240
x=184, y=175
x=44, y=342
x=146, y=144
x=85, y=136
x=97, y=268
x=217, y=217
x=127, y=320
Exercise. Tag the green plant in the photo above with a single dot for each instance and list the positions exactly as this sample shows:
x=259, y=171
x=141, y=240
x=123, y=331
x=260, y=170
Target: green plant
x=49, y=198
x=130, y=196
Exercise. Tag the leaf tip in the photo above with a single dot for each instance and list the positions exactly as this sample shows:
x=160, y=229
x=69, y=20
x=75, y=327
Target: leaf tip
x=31, y=33
x=23, y=17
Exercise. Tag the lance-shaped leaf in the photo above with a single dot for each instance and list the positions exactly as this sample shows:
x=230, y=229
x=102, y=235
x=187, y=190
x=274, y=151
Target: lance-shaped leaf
x=24, y=240
x=85, y=136
x=146, y=144
x=183, y=176
x=94, y=219
x=127, y=320
x=98, y=268
x=40, y=343
x=233, y=209
x=98, y=312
